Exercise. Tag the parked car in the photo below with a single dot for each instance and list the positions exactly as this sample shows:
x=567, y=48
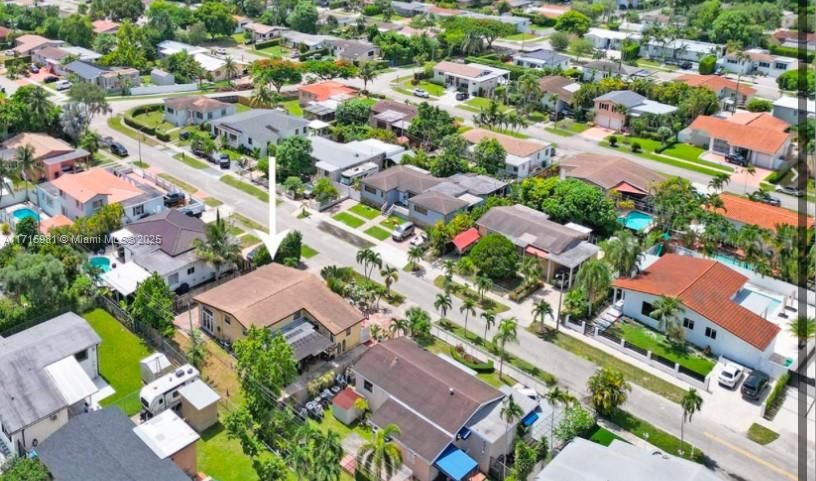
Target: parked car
x=765, y=198
x=787, y=189
x=730, y=376
x=106, y=141
x=184, y=134
x=118, y=149
x=755, y=384
x=418, y=240
x=62, y=85
x=308, y=190
x=686, y=65
x=174, y=199
x=224, y=162
x=218, y=157
x=461, y=95
x=34, y=68
x=50, y=79
x=736, y=159
x=220, y=51
x=421, y=93
x=403, y=231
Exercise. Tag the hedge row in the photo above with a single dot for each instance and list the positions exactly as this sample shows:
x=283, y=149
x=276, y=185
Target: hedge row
x=525, y=289
x=268, y=43
x=130, y=121
x=776, y=397
x=790, y=52
x=482, y=367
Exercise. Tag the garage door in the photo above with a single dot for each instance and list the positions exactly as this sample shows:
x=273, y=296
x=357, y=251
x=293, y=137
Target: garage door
x=610, y=123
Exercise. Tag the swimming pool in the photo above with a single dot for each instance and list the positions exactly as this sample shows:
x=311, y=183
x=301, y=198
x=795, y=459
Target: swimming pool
x=732, y=261
x=25, y=213
x=757, y=302
x=100, y=262
x=636, y=220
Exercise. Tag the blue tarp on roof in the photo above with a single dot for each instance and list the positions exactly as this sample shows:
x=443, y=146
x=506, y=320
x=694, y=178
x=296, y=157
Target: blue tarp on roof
x=455, y=463
x=530, y=419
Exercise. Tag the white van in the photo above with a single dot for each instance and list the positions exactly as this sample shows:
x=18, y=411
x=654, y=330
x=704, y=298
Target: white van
x=62, y=85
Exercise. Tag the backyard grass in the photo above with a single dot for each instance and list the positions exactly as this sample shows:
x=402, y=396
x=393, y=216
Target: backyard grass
x=761, y=435
x=307, y=252
x=247, y=188
x=392, y=297
x=330, y=423
x=378, y=233
x=567, y=128
x=348, y=219
x=116, y=124
x=656, y=437
x=633, y=374
x=656, y=342
x=189, y=188
x=293, y=107
x=604, y=436
x=432, y=88
x=464, y=292
x=475, y=104
x=364, y=211
x=141, y=164
x=275, y=51
x=222, y=457
x=119, y=356
x=212, y=202
x=190, y=161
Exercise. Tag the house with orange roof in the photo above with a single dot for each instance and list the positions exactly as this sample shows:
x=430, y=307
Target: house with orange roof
x=524, y=156
x=105, y=25
x=724, y=88
x=473, y=78
x=742, y=211
x=321, y=91
x=758, y=61
x=760, y=138
x=54, y=157
x=82, y=194
x=26, y=44
x=721, y=310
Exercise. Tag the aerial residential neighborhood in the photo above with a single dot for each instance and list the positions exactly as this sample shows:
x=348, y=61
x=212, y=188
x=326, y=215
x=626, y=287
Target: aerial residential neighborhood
x=380, y=240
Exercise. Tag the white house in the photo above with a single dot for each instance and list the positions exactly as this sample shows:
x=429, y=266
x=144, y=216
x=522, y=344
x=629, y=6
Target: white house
x=195, y=109
x=541, y=58
x=170, y=47
x=721, y=310
x=473, y=78
x=787, y=108
x=524, y=157
x=759, y=62
x=357, y=159
x=604, y=39
x=680, y=50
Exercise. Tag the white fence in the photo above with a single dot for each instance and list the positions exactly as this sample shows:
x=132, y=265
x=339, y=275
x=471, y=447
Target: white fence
x=163, y=89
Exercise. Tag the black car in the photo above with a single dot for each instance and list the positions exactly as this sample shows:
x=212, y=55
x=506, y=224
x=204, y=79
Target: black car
x=736, y=159
x=686, y=65
x=753, y=387
x=173, y=199
x=50, y=79
x=118, y=149
x=461, y=95
x=765, y=198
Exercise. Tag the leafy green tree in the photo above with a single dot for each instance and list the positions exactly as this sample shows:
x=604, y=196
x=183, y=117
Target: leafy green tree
x=691, y=403
x=431, y=125
x=353, y=112
x=594, y=279
x=327, y=69
x=153, y=304
x=708, y=65
x=197, y=352
x=104, y=43
x=118, y=10
x=790, y=81
x=676, y=203
x=450, y=160
x=442, y=303
x=276, y=72
x=303, y=17
x=270, y=467
x=293, y=185
x=25, y=469
x=559, y=41
x=731, y=25
x=77, y=30
x=623, y=252
x=576, y=422
x=216, y=16
x=380, y=457
x=419, y=323
x=289, y=249
x=293, y=156
x=265, y=363
x=495, y=256
x=510, y=413
x=582, y=47
x=25, y=231
x=324, y=190
x=130, y=48
x=219, y=248
x=367, y=73
x=759, y=105
x=525, y=460
x=573, y=22
x=490, y=155
x=608, y=390
x=184, y=67
x=34, y=280
x=570, y=200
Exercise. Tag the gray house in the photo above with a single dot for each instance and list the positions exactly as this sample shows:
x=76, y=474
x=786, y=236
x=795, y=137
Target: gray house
x=354, y=50
x=258, y=128
x=195, y=109
x=416, y=195
x=48, y=375
x=541, y=58
x=109, y=78
x=357, y=159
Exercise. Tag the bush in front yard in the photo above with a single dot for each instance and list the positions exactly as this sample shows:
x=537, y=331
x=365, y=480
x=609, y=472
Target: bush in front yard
x=636, y=147
x=613, y=141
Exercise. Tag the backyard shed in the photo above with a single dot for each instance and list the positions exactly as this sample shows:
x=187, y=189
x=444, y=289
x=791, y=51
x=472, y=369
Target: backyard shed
x=343, y=406
x=160, y=77
x=199, y=405
x=154, y=366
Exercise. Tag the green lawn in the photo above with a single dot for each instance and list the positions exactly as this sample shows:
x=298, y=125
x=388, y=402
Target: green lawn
x=116, y=124
x=307, y=252
x=330, y=423
x=223, y=458
x=378, y=233
x=248, y=240
x=567, y=128
x=189, y=188
x=511, y=133
x=293, y=107
x=679, y=150
x=154, y=119
x=688, y=152
x=604, y=436
x=213, y=202
x=119, y=356
x=519, y=37
x=246, y=221
x=275, y=51
x=432, y=88
x=463, y=292
x=482, y=103
x=392, y=222
x=656, y=437
x=190, y=161
x=656, y=342
x=761, y=435
x=364, y=211
x=699, y=165
x=250, y=189
x=239, y=107
x=393, y=297
x=349, y=220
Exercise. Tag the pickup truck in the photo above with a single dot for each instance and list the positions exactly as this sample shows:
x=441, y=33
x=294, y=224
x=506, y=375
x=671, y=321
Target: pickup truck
x=194, y=208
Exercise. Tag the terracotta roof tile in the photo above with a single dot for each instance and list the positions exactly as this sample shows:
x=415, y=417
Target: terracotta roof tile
x=706, y=287
x=518, y=147
x=326, y=90
x=762, y=136
x=746, y=211
x=715, y=83
x=346, y=398
x=462, y=69
x=84, y=186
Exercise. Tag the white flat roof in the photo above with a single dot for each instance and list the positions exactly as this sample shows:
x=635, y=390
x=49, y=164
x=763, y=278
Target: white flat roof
x=790, y=102
x=616, y=34
x=124, y=278
x=166, y=434
x=71, y=380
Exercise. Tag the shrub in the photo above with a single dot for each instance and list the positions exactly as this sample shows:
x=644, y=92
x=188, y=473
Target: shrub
x=459, y=354
x=776, y=397
x=707, y=65
x=613, y=141
x=636, y=147
x=525, y=289
x=759, y=105
x=268, y=43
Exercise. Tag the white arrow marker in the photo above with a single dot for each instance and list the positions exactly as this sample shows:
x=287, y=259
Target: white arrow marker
x=795, y=175
x=272, y=240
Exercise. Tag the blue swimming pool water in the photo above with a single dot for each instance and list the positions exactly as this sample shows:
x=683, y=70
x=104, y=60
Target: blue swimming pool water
x=100, y=262
x=25, y=213
x=636, y=220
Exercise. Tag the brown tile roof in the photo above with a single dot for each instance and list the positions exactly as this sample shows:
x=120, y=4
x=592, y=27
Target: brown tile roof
x=434, y=389
x=715, y=83
x=44, y=145
x=462, y=69
x=609, y=171
x=706, y=287
x=760, y=120
x=783, y=34
x=384, y=105
x=273, y=292
x=555, y=84
x=326, y=90
x=518, y=147
x=746, y=211
x=754, y=136
x=105, y=26
x=195, y=102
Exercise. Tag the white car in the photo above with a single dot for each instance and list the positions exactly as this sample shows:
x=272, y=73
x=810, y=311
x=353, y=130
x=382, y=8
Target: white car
x=220, y=51
x=418, y=240
x=62, y=85
x=421, y=93
x=730, y=376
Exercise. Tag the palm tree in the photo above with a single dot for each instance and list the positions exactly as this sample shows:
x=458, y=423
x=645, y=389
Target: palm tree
x=418, y=319
x=38, y=103
x=399, y=326
x=719, y=181
x=468, y=308
x=230, y=68
x=691, y=403
x=608, y=389
x=262, y=95
x=490, y=320
x=367, y=73
x=380, y=457
x=369, y=259
x=594, y=279
x=361, y=405
x=390, y=275
x=507, y=332
x=555, y=396
x=541, y=309
x=219, y=248
x=25, y=163
x=472, y=43
x=531, y=269
x=510, y=412
x=415, y=254
x=623, y=252
x=443, y=303
x=666, y=309
x=804, y=328
x=483, y=283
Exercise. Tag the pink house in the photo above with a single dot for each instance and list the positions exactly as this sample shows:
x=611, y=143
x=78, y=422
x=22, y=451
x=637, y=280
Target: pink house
x=53, y=156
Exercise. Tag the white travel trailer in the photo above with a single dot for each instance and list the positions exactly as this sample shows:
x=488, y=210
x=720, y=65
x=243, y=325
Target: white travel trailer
x=163, y=393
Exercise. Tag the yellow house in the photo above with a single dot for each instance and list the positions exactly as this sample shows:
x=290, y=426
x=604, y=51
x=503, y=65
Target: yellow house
x=313, y=319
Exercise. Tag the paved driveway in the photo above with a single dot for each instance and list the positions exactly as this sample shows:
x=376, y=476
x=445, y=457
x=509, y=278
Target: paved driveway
x=728, y=406
x=596, y=134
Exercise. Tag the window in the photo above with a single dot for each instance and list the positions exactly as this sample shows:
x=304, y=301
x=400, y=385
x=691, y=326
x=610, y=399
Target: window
x=368, y=386
x=780, y=66
x=420, y=210
x=688, y=324
x=348, y=331
x=227, y=319
x=249, y=140
x=646, y=309
x=711, y=333
x=370, y=190
x=138, y=210
x=764, y=64
x=97, y=204
x=81, y=355
x=191, y=270
x=175, y=394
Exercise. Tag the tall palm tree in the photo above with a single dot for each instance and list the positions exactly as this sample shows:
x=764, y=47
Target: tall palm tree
x=443, y=303
x=594, y=279
x=691, y=403
x=399, y=326
x=380, y=457
x=38, y=103
x=262, y=95
x=25, y=164
x=483, y=284
x=490, y=320
x=468, y=308
x=418, y=319
x=719, y=181
x=531, y=269
x=510, y=412
x=666, y=309
x=623, y=252
x=555, y=396
x=230, y=68
x=415, y=254
x=804, y=328
x=369, y=259
x=541, y=309
x=367, y=73
x=219, y=248
x=507, y=332
x=390, y=275
x=472, y=43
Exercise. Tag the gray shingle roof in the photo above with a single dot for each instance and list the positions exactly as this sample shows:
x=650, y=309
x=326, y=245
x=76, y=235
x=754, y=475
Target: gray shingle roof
x=438, y=202
x=101, y=446
x=27, y=392
x=403, y=178
x=626, y=98
x=261, y=124
x=549, y=56
x=84, y=70
x=525, y=226
x=176, y=230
